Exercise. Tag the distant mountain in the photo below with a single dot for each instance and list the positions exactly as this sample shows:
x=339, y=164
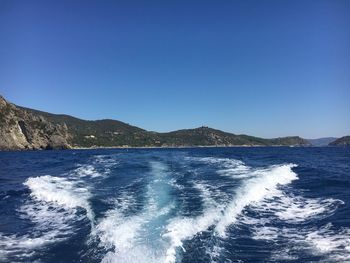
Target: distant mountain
x=343, y=141
x=24, y=128
x=321, y=141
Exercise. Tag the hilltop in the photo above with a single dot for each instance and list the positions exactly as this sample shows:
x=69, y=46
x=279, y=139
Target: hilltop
x=24, y=128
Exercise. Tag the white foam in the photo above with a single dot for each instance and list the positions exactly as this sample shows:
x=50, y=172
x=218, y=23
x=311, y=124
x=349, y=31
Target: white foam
x=123, y=234
x=87, y=170
x=299, y=209
x=294, y=210
x=206, y=193
x=228, y=167
x=328, y=241
x=263, y=185
x=106, y=160
x=260, y=189
x=183, y=228
x=50, y=227
x=51, y=210
x=99, y=166
x=60, y=191
x=332, y=243
x=139, y=253
x=255, y=187
x=262, y=232
x=117, y=231
x=48, y=217
x=130, y=236
x=21, y=245
x=53, y=207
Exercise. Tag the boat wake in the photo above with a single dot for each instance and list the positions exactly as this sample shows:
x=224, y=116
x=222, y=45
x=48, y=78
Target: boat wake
x=150, y=224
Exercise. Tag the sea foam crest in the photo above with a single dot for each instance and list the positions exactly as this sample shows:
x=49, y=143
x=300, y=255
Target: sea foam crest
x=87, y=170
x=294, y=210
x=128, y=236
x=60, y=191
x=297, y=209
x=335, y=243
x=51, y=224
x=99, y=166
x=51, y=209
x=226, y=166
x=328, y=241
x=54, y=205
x=183, y=228
x=263, y=184
x=258, y=185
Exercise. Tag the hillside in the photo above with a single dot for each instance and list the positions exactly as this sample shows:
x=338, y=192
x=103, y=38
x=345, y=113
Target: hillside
x=321, y=141
x=343, y=141
x=24, y=128
x=206, y=136
x=106, y=132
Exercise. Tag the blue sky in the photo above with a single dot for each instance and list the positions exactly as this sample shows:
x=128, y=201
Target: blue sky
x=265, y=68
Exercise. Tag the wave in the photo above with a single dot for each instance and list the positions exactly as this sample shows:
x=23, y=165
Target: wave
x=263, y=185
x=296, y=212
x=326, y=241
x=52, y=209
x=59, y=191
x=180, y=229
x=226, y=167
x=56, y=203
x=87, y=170
x=99, y=166
x=260, y=184
x=133, y=238
x=335, y=243
x=152, y=228
x=298, y=209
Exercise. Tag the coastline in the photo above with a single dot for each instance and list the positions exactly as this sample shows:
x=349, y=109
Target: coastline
x=161, y=147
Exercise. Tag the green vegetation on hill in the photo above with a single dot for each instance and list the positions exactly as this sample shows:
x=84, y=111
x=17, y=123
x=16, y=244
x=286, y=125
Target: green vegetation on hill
x=109, y=133
x=51, y=130
x=106, y=133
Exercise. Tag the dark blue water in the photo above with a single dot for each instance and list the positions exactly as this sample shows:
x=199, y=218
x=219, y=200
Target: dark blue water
x=176, y=205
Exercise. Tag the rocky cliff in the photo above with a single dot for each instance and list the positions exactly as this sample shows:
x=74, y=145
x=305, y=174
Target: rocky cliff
x=20, y=130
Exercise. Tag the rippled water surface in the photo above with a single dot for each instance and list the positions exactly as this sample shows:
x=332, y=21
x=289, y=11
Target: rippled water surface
x=176, y=205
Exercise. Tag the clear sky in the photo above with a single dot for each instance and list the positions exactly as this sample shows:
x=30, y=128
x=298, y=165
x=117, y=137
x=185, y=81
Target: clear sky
x=264, y=68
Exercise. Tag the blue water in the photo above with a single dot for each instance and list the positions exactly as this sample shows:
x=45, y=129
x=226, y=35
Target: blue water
x=176, y=205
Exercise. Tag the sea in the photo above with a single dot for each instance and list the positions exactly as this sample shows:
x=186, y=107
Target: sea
x=239, y=204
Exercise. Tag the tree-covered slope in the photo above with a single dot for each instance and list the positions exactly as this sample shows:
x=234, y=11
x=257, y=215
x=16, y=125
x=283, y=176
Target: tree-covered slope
x=86, y=133
x=112, y=133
